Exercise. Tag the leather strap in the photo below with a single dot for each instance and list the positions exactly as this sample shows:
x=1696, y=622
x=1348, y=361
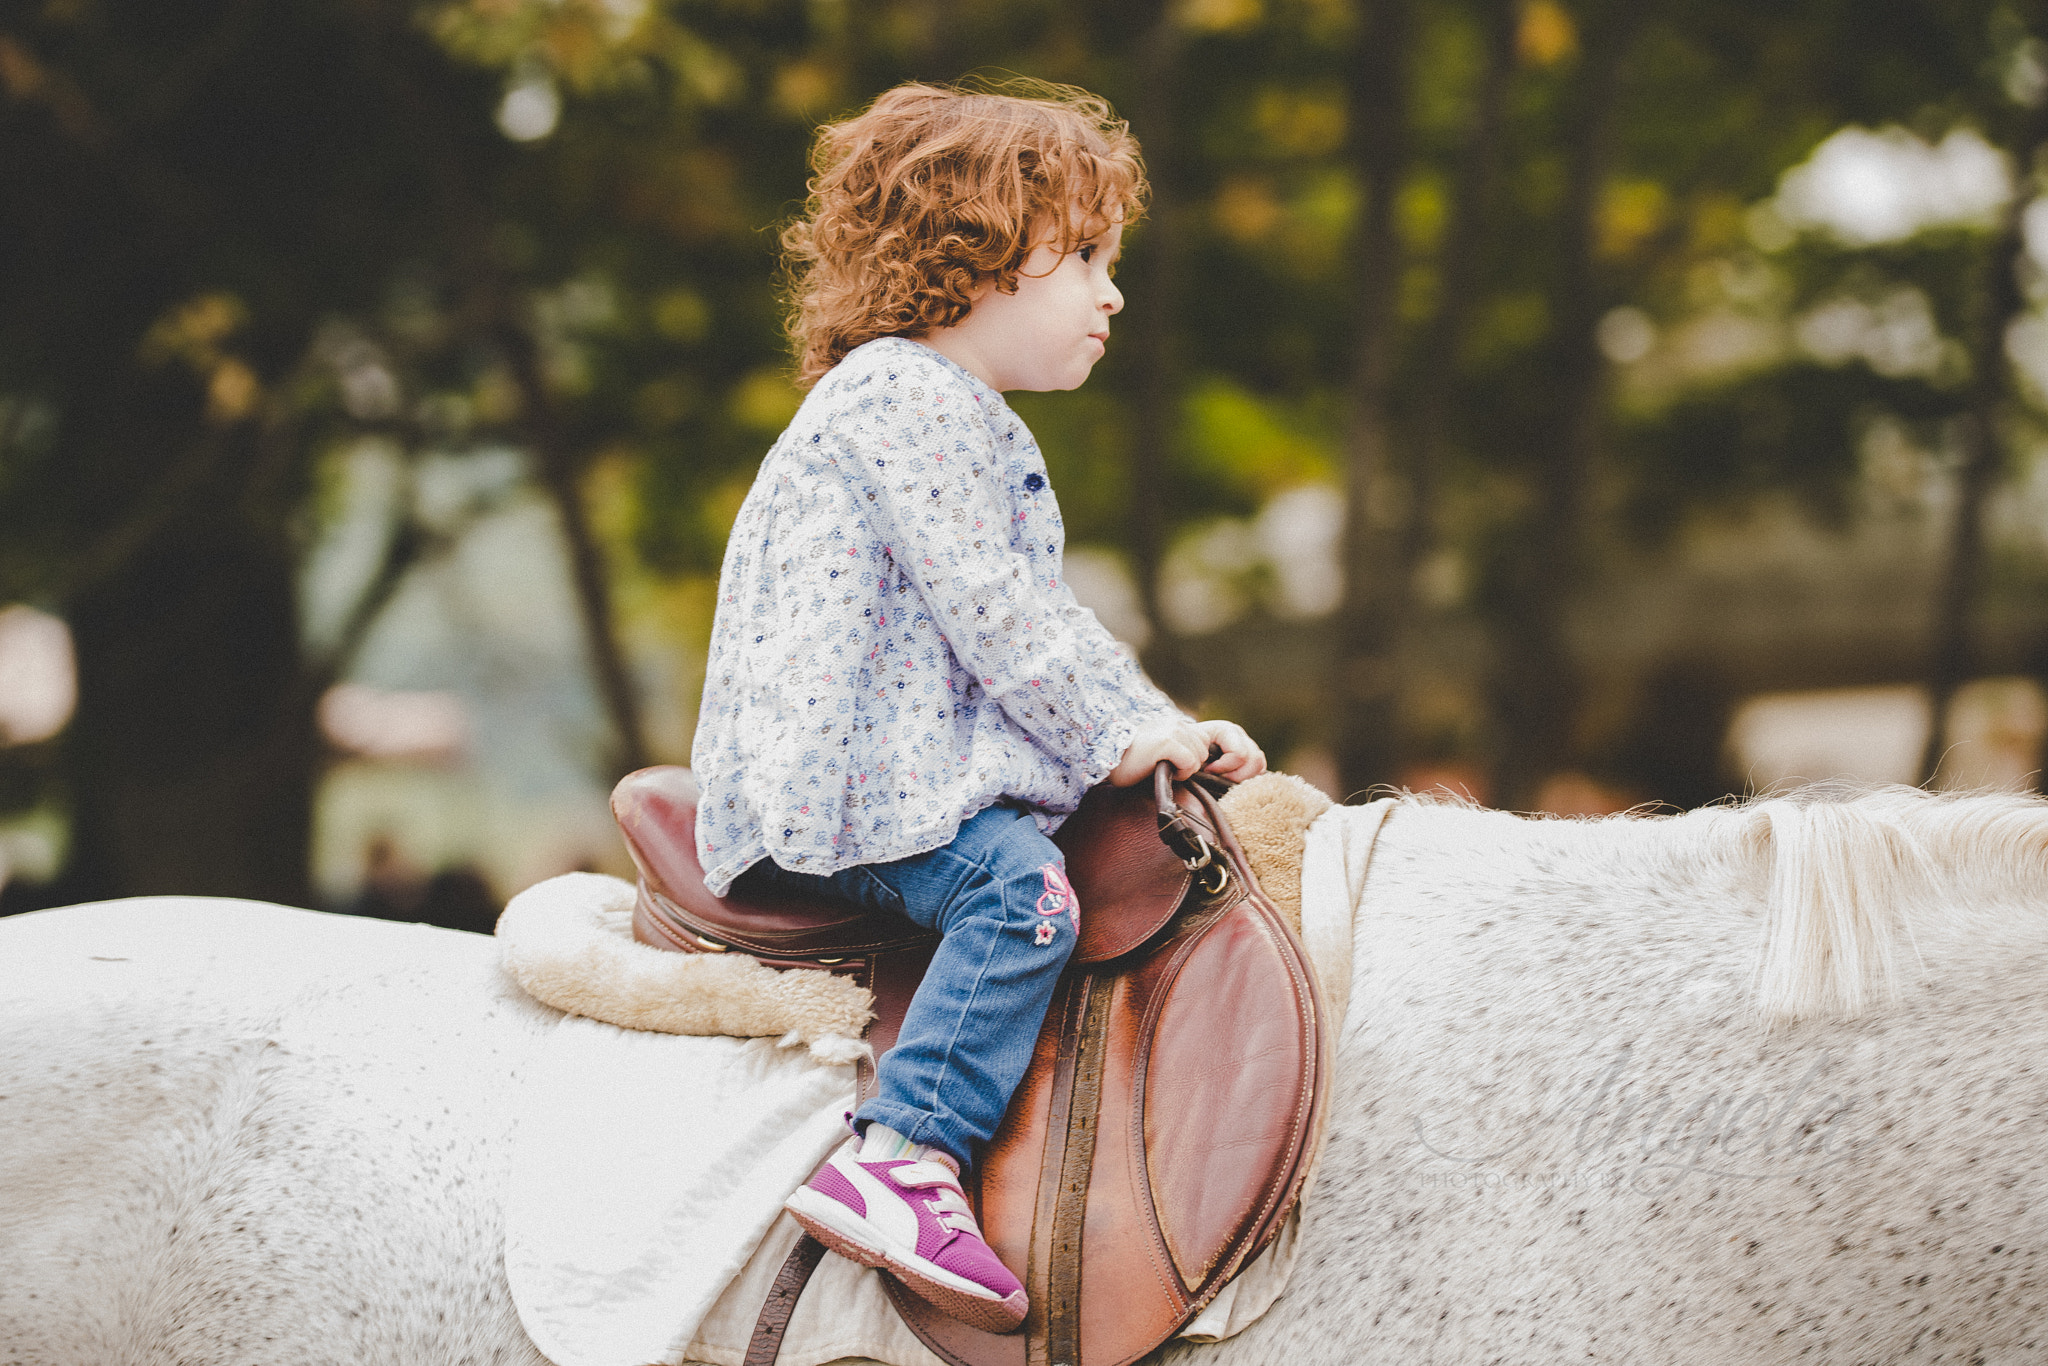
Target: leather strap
x=1072, y=1005
x=1077, y=1100
x=1179, y=831
x=776, y=1310
x=893, y=977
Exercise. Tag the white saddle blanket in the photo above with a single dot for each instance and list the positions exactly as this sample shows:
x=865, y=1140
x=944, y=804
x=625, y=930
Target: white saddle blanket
x=644, y=1222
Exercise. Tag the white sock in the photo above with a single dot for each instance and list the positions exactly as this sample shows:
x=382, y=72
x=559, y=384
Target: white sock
x=880, y=1143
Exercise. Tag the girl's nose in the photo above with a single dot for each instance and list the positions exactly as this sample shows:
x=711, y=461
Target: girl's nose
x=1113, y=301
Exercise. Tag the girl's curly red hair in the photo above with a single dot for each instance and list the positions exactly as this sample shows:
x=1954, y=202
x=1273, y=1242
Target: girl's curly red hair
x=933, y=190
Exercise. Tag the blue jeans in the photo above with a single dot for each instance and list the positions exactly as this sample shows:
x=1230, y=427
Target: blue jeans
x=998, y=895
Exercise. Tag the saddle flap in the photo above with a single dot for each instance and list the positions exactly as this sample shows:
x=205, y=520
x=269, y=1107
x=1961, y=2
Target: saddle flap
x=656, y=809
x=1222, y=1126
x=1128, y=882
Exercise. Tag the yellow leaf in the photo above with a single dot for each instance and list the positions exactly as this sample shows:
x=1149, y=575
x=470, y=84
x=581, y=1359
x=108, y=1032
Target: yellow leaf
x=765, y=400
x=232, y=392
x=193, y=331
x=1245, y=209
x=681, y=315
x=1547, y=35
x=1306, y=123
x=803, y=87
x=1630, y=212
x=1219, y=16
x=1422, y=209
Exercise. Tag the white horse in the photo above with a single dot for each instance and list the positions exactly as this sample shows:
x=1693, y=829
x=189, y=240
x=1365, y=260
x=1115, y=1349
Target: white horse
x=1762, y=1084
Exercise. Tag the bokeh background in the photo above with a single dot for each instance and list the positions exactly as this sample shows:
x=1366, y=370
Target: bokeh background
x=1567, y=403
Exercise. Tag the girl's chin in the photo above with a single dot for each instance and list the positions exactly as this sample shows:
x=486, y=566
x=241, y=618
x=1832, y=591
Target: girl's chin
x=1073, y=377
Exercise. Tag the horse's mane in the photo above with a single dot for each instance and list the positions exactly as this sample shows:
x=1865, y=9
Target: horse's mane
x=1853, y=875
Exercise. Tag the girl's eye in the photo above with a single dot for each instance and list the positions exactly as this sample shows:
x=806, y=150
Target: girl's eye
x=1087, y=252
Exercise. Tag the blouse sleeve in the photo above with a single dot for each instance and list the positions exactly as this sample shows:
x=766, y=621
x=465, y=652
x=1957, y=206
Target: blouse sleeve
x=939, y=508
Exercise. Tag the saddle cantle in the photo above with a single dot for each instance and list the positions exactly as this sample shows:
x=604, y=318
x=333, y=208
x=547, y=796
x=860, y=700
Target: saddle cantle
x=1161, y=1136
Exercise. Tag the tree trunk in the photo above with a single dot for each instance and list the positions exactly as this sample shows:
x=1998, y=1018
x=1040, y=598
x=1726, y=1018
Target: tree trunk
x=1364, y=688
x=193, y=752
x=495, y=311
x=1536, y=685
x=1951, y=654
x=561, y=474
x=1443, y=346
x=1156, y=271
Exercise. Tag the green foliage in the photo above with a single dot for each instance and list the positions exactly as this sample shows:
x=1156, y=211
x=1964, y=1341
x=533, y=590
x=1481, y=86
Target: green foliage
x=237, y=235
x=1794, y=430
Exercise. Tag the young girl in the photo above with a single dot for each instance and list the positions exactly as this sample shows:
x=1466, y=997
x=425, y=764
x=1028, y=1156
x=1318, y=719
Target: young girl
x=903, y=699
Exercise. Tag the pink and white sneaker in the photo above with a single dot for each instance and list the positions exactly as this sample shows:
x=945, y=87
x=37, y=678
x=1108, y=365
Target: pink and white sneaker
x=907, y=1215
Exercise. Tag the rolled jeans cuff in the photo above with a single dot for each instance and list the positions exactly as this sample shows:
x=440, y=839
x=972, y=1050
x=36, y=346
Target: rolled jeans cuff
x=919, y=1126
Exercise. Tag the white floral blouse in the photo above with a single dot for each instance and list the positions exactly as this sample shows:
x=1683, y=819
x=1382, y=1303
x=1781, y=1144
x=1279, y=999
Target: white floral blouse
x=894, y=647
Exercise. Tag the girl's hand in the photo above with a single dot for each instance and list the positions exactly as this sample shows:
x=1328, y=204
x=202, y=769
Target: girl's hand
x=1187, y=745
x=1179, y=742
x=1241, y=757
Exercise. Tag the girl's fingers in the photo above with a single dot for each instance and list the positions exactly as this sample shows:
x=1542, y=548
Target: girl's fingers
x=1236, y=768
x=1231, y=739
x=1240, y=757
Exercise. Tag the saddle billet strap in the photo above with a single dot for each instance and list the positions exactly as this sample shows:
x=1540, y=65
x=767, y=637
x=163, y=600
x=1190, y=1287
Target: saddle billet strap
x=777, y=1309
x=1071, y=1005
x=1078, y=1094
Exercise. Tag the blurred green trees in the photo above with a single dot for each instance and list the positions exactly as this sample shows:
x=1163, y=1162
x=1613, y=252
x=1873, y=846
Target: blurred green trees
x=1451, y=260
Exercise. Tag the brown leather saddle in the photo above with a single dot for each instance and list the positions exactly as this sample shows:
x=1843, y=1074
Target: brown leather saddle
x=1161, y=1136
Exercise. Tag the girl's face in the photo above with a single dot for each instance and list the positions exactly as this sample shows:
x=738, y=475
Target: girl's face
x=1050, y=333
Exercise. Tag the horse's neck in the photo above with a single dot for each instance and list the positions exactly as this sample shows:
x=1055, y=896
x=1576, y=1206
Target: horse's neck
x=1835, y=903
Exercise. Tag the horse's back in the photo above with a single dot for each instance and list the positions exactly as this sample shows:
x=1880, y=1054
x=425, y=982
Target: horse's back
x=230, y=1126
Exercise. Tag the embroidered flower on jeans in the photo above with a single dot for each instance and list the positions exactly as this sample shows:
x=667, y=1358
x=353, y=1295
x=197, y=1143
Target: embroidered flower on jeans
x=1046, y=930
